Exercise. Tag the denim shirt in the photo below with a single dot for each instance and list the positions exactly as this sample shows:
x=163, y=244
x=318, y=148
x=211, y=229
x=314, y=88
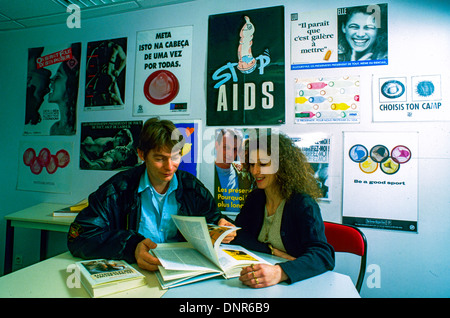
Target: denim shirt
x=156, y=211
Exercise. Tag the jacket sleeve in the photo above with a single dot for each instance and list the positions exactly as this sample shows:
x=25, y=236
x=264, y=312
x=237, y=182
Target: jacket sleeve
x=304, y=238
x=99, y=231
x=302, y=233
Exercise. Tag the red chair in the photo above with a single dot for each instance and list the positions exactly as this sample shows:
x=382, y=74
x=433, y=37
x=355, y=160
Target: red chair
x=348, y=239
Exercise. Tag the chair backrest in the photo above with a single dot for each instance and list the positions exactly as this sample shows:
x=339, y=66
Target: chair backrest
x=348, y=239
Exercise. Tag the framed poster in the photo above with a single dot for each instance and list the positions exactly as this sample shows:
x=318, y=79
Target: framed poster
x=342, y=37
x=52, y=89
x=232, y=183
x=109, y=145
x=409, y=98
x=380, y=180
x=191, y=131
x=327, y=100
x=105, y=74
x=245, y=70
x=162, y=84
x=317, y=149
x=45, y=166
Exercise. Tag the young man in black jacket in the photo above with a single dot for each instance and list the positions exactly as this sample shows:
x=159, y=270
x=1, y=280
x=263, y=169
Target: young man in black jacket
x=131, y=212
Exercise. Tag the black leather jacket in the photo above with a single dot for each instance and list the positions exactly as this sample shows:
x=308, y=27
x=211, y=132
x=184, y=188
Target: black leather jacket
x=108, y=227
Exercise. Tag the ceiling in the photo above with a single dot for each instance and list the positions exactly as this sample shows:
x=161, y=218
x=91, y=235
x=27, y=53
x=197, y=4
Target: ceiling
x=16, y=15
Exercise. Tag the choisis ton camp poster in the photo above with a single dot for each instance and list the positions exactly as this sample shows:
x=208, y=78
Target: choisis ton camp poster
x=245, y=75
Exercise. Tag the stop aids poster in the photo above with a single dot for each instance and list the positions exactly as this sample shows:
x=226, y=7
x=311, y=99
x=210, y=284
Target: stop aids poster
x=245, y=70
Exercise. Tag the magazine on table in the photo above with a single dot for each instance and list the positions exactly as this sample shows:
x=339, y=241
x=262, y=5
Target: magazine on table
x=202, y=256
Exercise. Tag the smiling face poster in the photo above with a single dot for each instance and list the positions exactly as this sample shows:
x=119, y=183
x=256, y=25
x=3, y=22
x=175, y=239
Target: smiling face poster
x=342, y=37
x=245, y=70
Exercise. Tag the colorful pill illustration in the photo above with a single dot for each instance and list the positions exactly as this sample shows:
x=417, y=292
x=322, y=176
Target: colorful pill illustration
x=343, y=83
x=305, y=115
x=341, y=106
x=316, y=85
x=317, y=99
x=311, y=92
x=301, y=100
x=327, y=55
x=305, y=107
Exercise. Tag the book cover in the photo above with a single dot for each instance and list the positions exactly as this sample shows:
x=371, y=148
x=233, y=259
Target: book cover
x=101, y=277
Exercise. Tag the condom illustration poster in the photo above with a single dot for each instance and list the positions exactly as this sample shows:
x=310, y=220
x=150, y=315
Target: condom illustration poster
x=342, y=37
x=162, y=84
x=321, y=100
x=52, y=89
x=409, y=98
x=380, y=180
x=45, y=166
x=105, y=74
x=245, y=68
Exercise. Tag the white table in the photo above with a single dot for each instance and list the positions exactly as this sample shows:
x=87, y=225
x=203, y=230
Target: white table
x=38, y=217
x=48, y=279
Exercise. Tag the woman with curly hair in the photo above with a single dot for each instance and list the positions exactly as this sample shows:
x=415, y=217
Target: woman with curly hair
x=282, y=216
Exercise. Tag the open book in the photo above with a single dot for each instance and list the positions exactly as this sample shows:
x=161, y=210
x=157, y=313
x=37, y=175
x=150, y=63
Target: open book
x=202, y=256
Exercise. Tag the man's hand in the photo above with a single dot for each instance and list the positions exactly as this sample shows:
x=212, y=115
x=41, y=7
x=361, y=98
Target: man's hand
x=232, y=235
x=144, y=259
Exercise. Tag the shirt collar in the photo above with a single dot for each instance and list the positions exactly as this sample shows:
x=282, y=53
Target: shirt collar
x=145, y=183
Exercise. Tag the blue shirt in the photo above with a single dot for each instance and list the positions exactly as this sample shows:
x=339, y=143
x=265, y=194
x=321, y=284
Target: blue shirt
x=156, y=211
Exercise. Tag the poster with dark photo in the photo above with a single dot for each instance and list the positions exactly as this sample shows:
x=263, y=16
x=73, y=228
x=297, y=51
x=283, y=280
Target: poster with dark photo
x=105, y=74
x=245, y=70
x=52, y=89
x=109, y=145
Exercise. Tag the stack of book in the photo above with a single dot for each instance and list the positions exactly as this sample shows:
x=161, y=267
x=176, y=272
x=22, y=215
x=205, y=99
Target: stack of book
x=102, y=277
x=72, y=210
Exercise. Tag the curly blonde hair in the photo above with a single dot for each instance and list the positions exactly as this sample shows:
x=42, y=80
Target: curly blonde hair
x=294, y=174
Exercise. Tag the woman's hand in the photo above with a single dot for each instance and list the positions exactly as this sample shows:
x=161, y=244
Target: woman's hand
x=229, y=237
x=262, y=275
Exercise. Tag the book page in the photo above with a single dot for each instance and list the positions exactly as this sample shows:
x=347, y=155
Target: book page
x=182, y=258
x=195, y=231
x=218, y=233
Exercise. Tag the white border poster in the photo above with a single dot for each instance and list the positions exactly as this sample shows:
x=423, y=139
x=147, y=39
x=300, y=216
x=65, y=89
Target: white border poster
x=341, y=37
x=45, y=166
x=162, y=84
x=408, y=98
x=380, y=180
x=327, y=100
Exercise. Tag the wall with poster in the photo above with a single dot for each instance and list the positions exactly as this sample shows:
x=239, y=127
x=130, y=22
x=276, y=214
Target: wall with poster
x=401, y=91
